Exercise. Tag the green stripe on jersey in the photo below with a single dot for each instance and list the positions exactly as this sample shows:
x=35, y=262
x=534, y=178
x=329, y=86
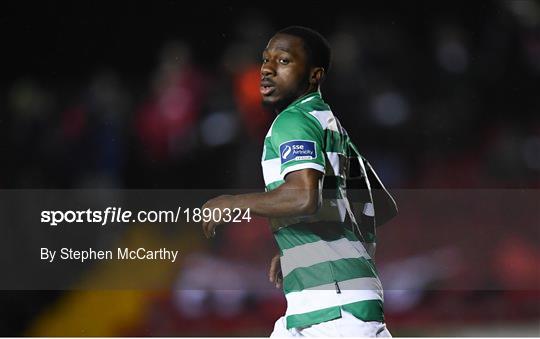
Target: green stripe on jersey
x=273, y=185
x=336, y=142
x=269, y=152
x=366, y=310
x=327, y=272
x=314, y=317
x=292, y=236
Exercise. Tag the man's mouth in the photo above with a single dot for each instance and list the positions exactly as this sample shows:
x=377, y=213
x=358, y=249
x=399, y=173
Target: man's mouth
x=267, y=87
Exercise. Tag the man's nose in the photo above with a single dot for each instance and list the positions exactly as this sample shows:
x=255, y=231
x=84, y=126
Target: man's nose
x=266, y=70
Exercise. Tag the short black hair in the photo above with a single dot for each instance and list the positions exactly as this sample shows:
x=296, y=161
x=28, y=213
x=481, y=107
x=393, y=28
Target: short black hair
x=317, y=47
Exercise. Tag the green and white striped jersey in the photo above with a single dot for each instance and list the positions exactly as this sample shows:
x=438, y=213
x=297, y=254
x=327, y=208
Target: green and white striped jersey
x=325, y=267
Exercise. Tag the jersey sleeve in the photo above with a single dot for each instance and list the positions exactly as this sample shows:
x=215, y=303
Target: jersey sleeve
x=299, y=140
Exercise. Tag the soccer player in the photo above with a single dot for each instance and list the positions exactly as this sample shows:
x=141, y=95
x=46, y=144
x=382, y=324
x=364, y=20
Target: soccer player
x=325, y=264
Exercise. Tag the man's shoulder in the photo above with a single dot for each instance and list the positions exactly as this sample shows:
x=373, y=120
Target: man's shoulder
x=311, y=113
x=292, y=114
x=313, y=103
x=308, y=104
x=293, y=118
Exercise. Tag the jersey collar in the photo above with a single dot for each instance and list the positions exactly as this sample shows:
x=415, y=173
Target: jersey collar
x=305, y=98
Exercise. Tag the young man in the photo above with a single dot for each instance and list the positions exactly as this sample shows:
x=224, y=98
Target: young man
x=327, y=273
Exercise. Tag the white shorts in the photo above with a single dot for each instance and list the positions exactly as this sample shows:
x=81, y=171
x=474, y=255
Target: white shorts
x=346, y=326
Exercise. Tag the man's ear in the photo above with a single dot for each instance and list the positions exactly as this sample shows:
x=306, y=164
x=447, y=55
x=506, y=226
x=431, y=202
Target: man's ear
x=317, y=75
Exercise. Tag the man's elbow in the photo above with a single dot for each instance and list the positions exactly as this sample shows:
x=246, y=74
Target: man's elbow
x=309, y=204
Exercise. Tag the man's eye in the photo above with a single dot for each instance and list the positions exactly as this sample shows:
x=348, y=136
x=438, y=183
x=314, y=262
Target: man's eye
x=284, y=61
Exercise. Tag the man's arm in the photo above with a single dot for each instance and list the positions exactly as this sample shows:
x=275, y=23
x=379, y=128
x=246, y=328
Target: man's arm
x=297, y=196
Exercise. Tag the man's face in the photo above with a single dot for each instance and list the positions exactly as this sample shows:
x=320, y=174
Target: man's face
x=284, y=72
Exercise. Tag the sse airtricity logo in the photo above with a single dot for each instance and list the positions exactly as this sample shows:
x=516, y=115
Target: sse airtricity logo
x=297, y=150
x=286, y=151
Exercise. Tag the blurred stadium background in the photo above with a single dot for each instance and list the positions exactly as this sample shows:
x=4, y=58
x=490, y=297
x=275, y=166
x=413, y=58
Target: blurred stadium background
x=438, y=95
